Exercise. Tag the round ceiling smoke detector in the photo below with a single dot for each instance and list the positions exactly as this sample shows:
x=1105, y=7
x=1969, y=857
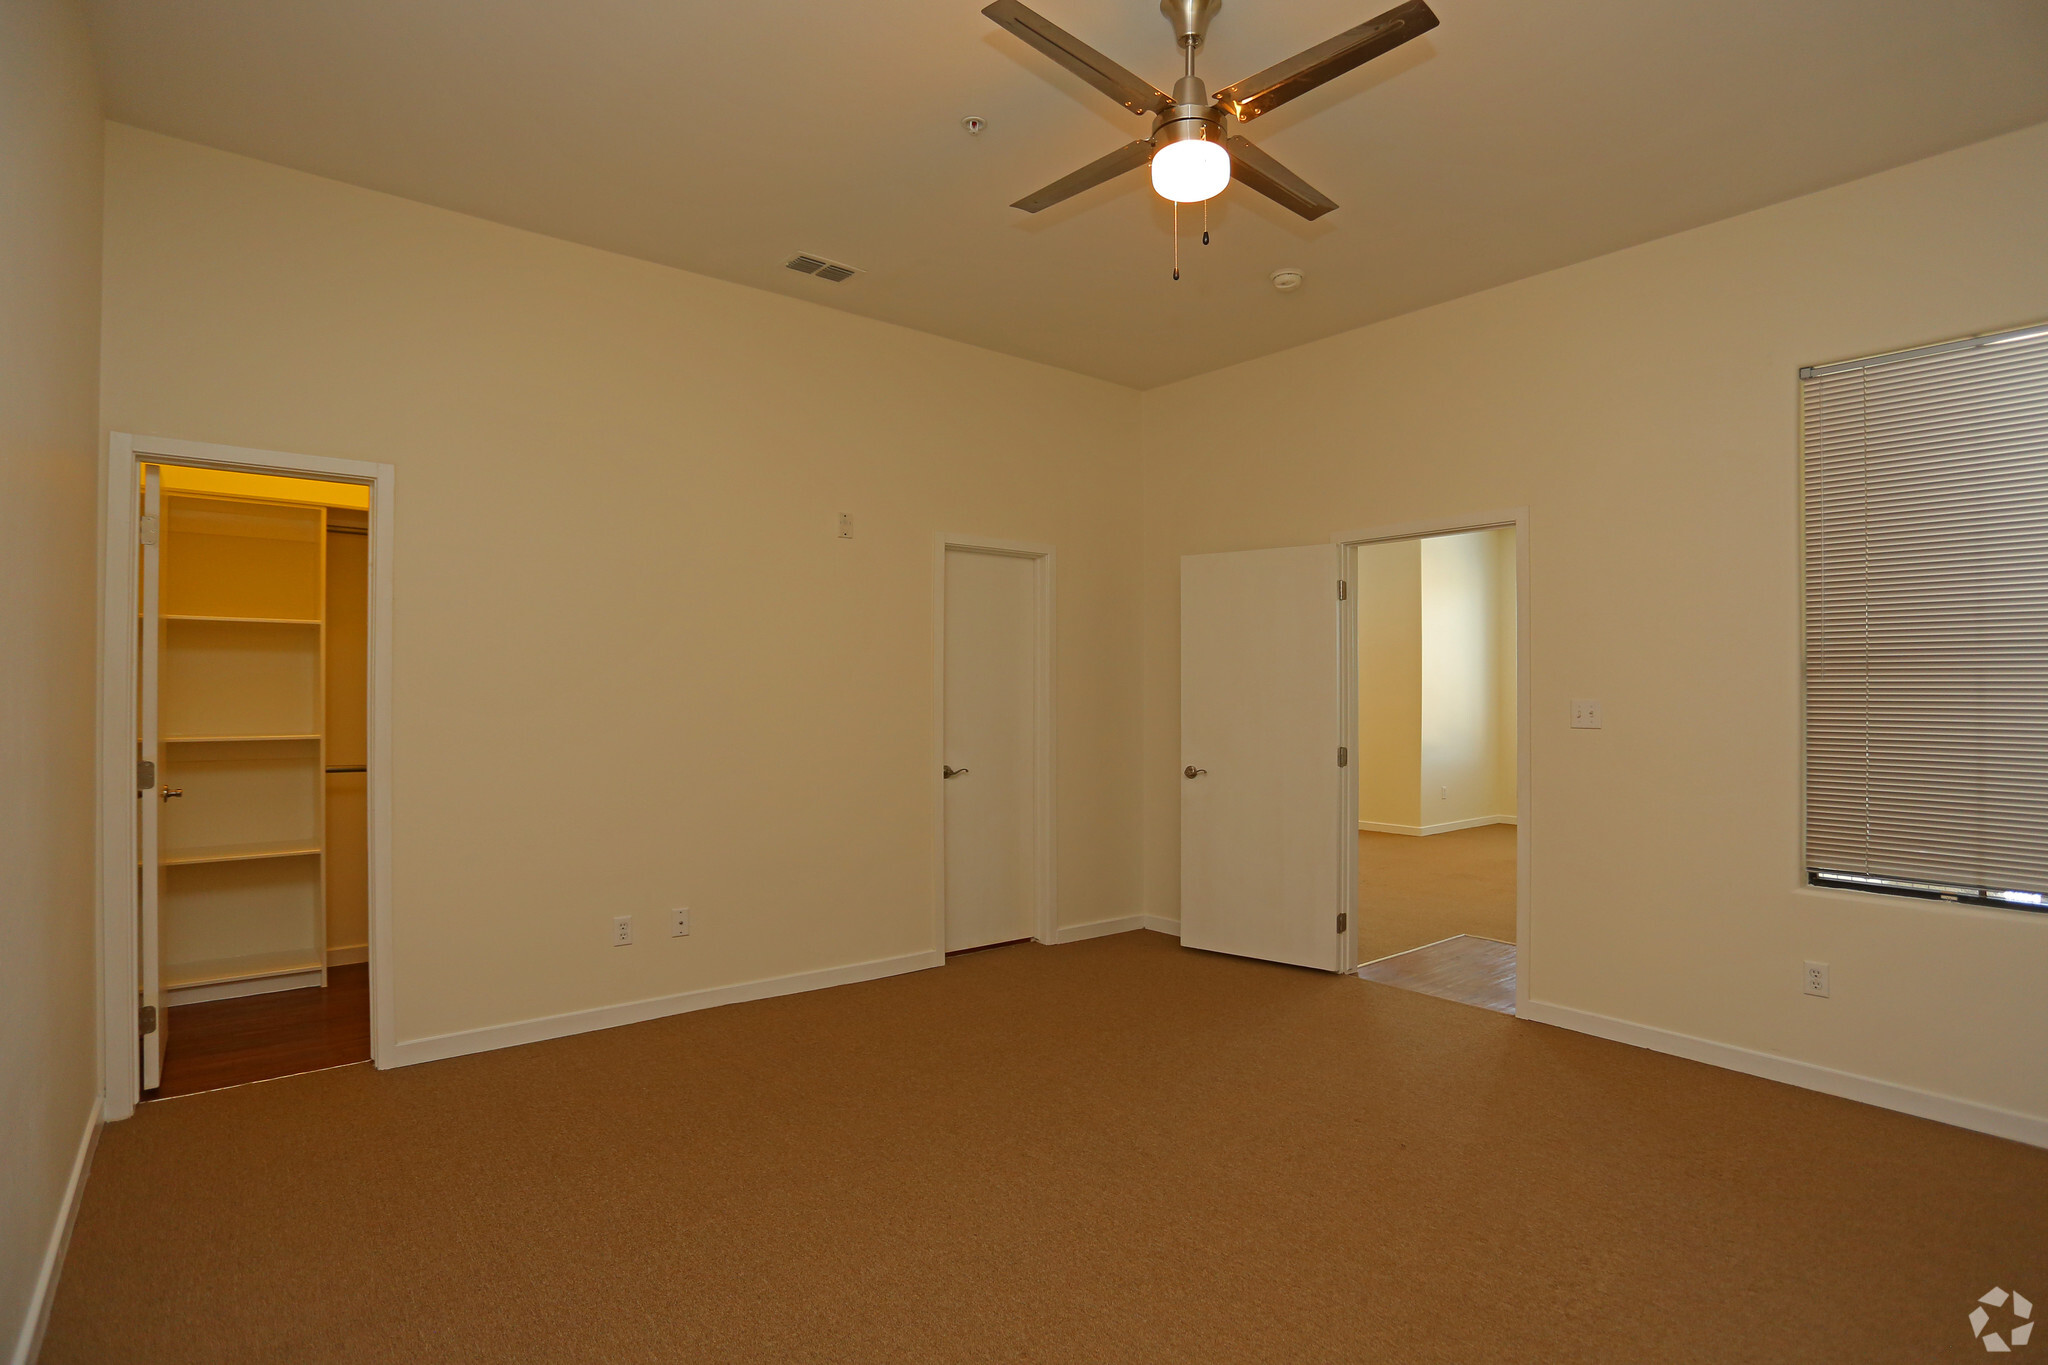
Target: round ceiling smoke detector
x=1286, y=281
x=974, y=123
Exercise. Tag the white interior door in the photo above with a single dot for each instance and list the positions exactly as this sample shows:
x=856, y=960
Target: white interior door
x=991, y=640
x=1261, y=852
x=148, y=864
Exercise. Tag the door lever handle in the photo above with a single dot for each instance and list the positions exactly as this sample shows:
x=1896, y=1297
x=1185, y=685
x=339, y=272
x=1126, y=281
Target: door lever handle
x=1192, y=771
x=169, y=792
x=953, y=772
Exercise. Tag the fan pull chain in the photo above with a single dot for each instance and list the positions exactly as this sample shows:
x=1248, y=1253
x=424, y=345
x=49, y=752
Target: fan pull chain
x=1176, y=239
x=1205, y=222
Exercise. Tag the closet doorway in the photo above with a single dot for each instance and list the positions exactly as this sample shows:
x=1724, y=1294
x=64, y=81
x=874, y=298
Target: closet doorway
x=253, y=737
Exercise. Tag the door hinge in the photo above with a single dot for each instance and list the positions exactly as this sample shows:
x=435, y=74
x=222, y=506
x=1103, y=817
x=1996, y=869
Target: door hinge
x=147, y=1020
x=146, y=530
x=1343, y=921
x=1340, y=590
x=1343, y=757
x=145, y=774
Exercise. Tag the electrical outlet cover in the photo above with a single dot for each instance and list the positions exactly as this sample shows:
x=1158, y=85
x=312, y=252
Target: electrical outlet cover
x=679, y=922
x=622, y=931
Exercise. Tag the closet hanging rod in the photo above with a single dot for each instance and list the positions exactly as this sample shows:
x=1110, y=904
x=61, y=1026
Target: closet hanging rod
x=349, y=768
x=348, y=530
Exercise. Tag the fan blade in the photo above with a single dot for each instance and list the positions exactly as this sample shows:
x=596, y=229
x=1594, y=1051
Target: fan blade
x=1133, y=92
x=1258, y=171
x=1126, y=158
x=1299, y=74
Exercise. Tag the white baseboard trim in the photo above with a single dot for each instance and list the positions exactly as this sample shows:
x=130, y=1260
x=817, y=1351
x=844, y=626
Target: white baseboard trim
x=348, y=957
x=1122, y=924
x=234, y=990
x=494, y=1036
x=1446, y=827
x=28, y=1342
x=1982, y=1118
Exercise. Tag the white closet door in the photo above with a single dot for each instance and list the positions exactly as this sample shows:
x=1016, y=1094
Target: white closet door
x=149, y=864
x=990, y=661
x=1261, y=856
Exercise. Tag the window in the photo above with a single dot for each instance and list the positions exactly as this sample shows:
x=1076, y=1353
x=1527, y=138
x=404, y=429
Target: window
x=1925, y=498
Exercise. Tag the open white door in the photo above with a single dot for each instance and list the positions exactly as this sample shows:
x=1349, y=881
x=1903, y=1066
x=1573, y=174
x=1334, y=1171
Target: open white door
x=1261, y=852
x=148, y=865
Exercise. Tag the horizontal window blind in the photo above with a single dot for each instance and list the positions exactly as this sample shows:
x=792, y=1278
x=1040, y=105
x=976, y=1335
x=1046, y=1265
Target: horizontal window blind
x=1926, y=631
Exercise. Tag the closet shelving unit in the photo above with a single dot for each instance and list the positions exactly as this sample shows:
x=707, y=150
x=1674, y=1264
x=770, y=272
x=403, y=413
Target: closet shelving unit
x=241, y=705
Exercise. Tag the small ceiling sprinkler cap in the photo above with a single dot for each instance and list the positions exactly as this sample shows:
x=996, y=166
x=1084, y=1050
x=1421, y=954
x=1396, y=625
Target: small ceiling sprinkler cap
x=974, y=123
x=1287, y=281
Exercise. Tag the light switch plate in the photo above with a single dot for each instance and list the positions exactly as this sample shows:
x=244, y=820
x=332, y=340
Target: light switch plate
x=1585, y=714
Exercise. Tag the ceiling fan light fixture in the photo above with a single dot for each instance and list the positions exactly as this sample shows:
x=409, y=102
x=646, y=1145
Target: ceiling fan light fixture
x=1190, y=171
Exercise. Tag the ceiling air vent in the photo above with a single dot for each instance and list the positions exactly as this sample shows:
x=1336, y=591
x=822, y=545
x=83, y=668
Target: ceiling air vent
x=822, y=268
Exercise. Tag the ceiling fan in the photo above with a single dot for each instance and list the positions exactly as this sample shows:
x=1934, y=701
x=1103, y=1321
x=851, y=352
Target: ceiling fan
x=1192, y=153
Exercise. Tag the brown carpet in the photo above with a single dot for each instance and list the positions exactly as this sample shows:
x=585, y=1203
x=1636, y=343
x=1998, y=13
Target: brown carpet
x=1113, y=1151
x=1417, y=889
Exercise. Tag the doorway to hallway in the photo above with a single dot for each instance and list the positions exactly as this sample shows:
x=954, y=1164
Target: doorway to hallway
x=1435, y=641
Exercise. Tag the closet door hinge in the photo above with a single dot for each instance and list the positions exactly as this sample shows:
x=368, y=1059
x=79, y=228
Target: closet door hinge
x=145, y=774
x=146, y=530
x=1343, y=757
x=146, y=1021
x=1343, y=921
x=1340, y=590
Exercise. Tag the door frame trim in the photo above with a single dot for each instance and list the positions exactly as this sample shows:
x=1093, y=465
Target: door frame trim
x=1045, y=747
x=1347, y=543
x=114, y=789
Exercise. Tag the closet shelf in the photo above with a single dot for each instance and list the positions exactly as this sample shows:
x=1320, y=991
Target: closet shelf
x=240, y=853
x=248, y=620
x=177, y=975
x=232, y=739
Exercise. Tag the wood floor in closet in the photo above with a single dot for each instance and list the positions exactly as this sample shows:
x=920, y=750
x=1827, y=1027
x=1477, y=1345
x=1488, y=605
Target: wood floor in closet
x=262, y=1037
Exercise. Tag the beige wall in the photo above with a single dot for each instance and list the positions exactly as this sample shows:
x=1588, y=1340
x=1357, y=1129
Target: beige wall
x=1643, y=407
x=635, y=665
x=50, y=136
x=1436, y=681
x=1388, y=587
x=1468, y=757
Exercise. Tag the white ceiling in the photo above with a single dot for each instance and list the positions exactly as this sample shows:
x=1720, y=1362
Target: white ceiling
x=724, y=138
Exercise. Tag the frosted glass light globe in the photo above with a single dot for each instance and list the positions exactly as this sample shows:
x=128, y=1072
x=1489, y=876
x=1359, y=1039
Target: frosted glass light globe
x=1191, y=171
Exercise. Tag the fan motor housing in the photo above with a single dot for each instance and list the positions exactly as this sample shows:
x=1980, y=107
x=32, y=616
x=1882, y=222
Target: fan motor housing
x=1191, y=118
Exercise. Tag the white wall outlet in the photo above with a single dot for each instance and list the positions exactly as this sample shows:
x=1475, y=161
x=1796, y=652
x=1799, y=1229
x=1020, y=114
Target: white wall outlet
x=1585, y=714
x=679, y=922
x=622, y=931
x=1817, y=978
x=846, y=526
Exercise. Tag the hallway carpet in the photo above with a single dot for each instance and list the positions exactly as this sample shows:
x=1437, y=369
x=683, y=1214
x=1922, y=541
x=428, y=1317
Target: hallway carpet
x=1110, y=1151
x=1417, y=889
